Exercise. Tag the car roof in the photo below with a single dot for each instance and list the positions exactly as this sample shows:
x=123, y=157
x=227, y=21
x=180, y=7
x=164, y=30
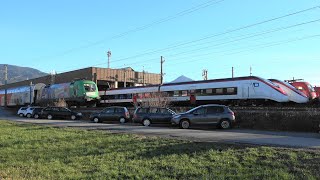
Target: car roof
x=217, y=105
x=116, y=107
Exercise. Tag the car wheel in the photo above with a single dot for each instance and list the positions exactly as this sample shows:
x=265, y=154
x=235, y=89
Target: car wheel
x=96, y=120
x=28, y=115
x=73, y=117
x=146, y=122
x=122, y=120
x=49, y=116
x=184, y=124
x=36, y=116
x=21, y=115
x=225, y=124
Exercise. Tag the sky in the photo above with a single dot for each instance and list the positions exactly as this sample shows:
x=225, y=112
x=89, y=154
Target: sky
x=191, y=35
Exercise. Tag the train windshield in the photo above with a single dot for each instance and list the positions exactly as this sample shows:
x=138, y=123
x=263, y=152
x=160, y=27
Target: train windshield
x=311, y=88
x=90, y=87
x=270, y=82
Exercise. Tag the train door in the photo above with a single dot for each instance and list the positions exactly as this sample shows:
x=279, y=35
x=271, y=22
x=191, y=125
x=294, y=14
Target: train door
x=246, y=90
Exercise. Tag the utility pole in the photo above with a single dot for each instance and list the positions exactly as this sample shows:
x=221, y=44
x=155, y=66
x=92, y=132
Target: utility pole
x=205, y=74
x=125, y=81
x=161, y=73
x=31, y=93
x=143, y=76
x=232, y=72
x=109, y=55
x=250, y=71
x=5, y=84
x=53, y=77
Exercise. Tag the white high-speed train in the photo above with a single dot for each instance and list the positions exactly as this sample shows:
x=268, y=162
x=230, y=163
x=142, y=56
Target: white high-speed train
x=239, y=90
x=293, y=93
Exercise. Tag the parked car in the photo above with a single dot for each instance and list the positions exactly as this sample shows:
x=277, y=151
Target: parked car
x=152, y=115
x=115, y=113
x=211, y=114
x=29, y=111
x=36, y=113
x=59, y=112
x=22, y=111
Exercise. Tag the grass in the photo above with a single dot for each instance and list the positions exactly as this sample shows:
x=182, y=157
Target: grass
x=40, y=152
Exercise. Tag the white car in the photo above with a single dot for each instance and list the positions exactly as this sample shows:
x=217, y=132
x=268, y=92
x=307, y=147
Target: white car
x=29, y=111
x=22, y=111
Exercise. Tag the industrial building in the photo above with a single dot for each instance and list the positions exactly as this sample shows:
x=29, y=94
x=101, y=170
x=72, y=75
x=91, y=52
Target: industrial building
x=104, y=77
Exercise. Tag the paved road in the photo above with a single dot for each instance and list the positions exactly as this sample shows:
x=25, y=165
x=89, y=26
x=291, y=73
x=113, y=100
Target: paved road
x=286, y=139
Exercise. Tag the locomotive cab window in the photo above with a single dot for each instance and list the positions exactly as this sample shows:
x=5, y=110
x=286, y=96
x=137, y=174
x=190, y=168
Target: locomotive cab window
x=89, y=87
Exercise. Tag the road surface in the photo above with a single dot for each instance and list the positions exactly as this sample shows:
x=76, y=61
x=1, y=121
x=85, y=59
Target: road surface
x=242, y=136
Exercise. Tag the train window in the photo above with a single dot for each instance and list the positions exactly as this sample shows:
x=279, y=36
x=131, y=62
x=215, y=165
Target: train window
x=255, y=84
x=170, y=93
x=192, y=91
x=219, y=91
x=208, y=91
x=231, y=91
x=200, y=92
x=129, y=96
x=176, y=93
x=184, y=93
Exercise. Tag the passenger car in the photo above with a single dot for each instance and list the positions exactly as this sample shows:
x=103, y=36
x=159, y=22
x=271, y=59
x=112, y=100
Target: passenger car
x=59, y=112
x=206, y=114
x=29, y=111
x=115, y=113
x=36, y=112
x=149, y=115
x=22, y=111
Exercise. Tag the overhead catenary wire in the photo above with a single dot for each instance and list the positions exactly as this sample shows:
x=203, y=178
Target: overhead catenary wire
x=140, y=28
x=256, y=47
x=232, y=41
x=218, y=34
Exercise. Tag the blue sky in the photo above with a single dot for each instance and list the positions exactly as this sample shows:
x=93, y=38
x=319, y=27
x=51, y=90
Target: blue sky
x=68, y=35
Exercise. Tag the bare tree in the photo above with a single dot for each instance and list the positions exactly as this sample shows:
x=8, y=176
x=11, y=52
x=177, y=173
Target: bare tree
x=60, y=103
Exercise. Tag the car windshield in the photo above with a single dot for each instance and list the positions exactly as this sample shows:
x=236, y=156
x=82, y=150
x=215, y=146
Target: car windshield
x=90, y=87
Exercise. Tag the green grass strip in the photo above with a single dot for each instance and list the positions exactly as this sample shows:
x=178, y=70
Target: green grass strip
x=40, y=152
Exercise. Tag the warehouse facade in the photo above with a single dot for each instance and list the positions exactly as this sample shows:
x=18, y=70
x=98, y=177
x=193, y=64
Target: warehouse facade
x=104, y=77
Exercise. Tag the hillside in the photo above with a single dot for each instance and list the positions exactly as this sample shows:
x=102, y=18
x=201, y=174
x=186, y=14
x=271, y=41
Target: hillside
x=17, y=73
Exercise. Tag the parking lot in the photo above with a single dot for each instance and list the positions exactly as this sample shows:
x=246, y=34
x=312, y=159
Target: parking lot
x=202, y=134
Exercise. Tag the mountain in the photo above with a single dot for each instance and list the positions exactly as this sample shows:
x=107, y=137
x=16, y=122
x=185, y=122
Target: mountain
x=181, y=79
x=17, y=73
